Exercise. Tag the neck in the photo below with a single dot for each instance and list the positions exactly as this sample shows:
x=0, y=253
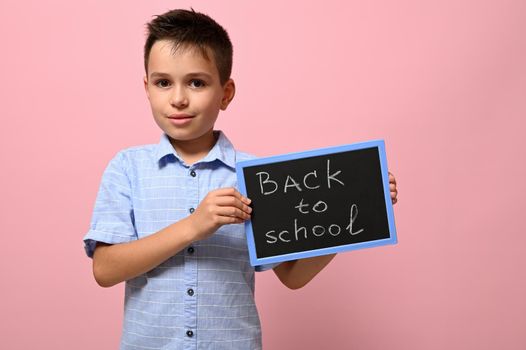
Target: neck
x=192, y=151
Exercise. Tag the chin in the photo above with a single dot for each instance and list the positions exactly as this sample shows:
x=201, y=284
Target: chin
x=185, y=136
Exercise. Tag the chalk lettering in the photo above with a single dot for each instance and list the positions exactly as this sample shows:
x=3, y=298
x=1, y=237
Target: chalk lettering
x=296, y=229
x=281, y=236
x=353, y=215
x=301, y=206
x=268, y=186
x=337, y=233
x=333, y=175
x=294, y=184
x=266, y=181
x=268, y=234
x=305, y=181
x=302, y=232
x=320, y=233
x=319, y=204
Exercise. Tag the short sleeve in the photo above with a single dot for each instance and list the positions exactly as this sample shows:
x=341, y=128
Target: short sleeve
x=112, y=219
x=261, y=268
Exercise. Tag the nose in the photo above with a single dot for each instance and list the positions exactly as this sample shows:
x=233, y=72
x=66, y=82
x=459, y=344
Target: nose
x=179, y=99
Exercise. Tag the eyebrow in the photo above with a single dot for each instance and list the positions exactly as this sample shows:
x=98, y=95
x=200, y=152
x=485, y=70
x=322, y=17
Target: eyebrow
x=193, y=74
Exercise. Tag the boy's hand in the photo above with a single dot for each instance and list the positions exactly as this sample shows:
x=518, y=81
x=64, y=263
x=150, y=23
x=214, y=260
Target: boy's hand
x=218, y=208
x=392, y=188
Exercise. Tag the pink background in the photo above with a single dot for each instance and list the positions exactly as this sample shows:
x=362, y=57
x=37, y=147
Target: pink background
x=443, y=82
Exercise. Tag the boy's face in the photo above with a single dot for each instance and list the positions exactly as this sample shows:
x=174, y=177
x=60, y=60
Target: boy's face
x=185, y=93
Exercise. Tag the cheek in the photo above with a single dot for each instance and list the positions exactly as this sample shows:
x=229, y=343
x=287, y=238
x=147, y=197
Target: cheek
x=212, y=101
x=156, y=101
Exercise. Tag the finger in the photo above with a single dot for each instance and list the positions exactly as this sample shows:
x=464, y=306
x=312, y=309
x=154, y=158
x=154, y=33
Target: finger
x=230, y=201
x=231, y=191
x=392, y=178
x=225, y=191
x=392, y=187
x=394, y=200
x=232, y=212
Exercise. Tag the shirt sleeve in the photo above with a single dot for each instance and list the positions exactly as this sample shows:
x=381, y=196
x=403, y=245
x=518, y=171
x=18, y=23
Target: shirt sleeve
x=112, y=219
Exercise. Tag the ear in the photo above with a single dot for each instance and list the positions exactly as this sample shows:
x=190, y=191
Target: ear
x=145, y=81
x=229, y=90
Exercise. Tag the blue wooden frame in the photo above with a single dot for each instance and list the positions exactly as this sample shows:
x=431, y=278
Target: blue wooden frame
x=379, y=144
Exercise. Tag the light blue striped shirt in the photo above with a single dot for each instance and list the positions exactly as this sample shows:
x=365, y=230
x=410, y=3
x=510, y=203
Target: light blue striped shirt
x=201, y=298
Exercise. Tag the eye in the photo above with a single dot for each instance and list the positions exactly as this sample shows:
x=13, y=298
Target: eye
x=162, y=83
x=197, y=83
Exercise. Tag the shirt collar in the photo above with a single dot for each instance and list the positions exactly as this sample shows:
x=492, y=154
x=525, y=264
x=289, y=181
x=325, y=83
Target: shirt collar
x=223, y=150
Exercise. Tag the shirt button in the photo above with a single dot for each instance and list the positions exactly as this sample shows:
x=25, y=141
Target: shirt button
x=191, y=210
x=190, y=333
x=192, y=173
x=190, y=250
x=190, y=292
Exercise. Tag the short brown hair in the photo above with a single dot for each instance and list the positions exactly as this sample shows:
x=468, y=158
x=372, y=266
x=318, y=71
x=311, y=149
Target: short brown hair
x=185, y=29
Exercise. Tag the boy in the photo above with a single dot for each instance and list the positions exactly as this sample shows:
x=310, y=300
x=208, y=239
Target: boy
x=168, y=219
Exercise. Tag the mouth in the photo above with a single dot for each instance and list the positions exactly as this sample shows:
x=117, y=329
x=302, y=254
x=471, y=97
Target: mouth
x=180, y=119
x=180, y=116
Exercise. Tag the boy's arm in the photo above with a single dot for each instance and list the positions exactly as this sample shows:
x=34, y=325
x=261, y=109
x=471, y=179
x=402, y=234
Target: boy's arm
x=297, y=273
x=119, y=262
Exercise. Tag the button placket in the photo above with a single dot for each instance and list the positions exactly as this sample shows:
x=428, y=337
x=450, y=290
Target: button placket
x=190, y=266
x=193, y=174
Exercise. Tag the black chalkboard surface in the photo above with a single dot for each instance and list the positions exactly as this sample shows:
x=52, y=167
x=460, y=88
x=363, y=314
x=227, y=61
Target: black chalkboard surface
x=317, y=202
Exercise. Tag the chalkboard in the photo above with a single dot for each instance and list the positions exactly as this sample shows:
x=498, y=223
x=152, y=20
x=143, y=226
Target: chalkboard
x=317, y=202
